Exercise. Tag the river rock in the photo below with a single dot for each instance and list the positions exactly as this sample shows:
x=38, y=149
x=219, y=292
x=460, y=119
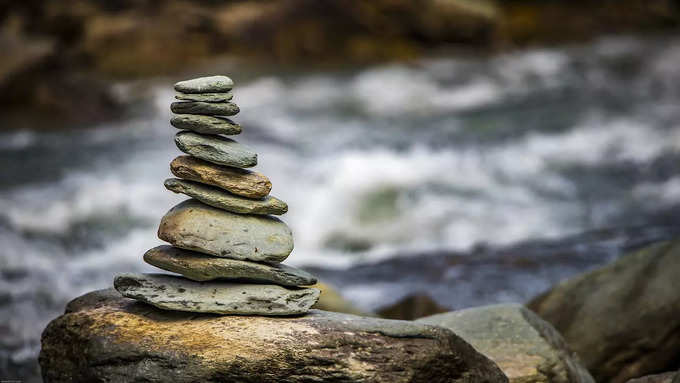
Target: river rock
x=104, y=337
x=171, y=292
x=193, y=225
x=226, y=201
x=622, y=319
x=205, y=124
x=234, y=180
x=201, y=267
x=205, y=108
x=216, y=149
x=210, y=84
x=205, y=97
x=525, y=347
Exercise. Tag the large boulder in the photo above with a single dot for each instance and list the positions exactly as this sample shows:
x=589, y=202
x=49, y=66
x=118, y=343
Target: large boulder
x=104, y=337
x=525, y=347
x=621, y=319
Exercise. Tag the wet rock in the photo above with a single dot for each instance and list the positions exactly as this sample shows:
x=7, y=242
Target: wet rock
x=205, y=97
x=216, y=149
x=201, y=267
x=119, y=339
x=210, y=84
x=176, y=293
x=622, y=318
x=234, y=180
x=205, y=108
x=412, y=307
x=193, y=225
x=525, y=347
x=226, y=201
x=205, y=124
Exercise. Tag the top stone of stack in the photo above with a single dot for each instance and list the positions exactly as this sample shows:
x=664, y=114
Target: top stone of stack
x=212, y=84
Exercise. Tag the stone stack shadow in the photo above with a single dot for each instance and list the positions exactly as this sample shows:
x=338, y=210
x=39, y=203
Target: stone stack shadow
x=226, y=243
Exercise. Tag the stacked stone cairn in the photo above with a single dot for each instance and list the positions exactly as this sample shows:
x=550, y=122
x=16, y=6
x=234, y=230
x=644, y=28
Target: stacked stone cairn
x=226, y=244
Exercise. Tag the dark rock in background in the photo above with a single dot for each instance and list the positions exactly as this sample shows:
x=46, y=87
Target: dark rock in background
x=622, y=319
x=412, y=307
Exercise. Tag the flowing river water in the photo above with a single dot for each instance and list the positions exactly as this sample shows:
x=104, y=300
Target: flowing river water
x=422, y=176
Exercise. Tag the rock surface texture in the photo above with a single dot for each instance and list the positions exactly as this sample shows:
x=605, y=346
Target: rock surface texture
x=621, y=319
x=241, y=182
x=525, y=347
x=205, y=108
x=216, y=149
x=193, y=225
x=226, y=201
x=201, y=267
x=103, y=337
x=176, y=293
x=205, y=124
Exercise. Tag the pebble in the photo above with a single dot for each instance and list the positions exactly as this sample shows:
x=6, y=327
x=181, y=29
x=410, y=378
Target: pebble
x=193, y=225
x=211, y=84
x=216, y=149
x=205, y=108
x=201, y=267
x=205, y=124
x=237, y=181
x=205, y=97
x=226, y=201
x=176, y=293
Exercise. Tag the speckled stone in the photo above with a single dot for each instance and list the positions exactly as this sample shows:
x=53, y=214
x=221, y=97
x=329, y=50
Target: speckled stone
x=176, y=293
x=226, y=201
x=211, y=84
x=201, y=267
x=238, y=181
x=205, y=124
x=193, y=225
x=216, y=149
x=205, y=97
x=205, y=108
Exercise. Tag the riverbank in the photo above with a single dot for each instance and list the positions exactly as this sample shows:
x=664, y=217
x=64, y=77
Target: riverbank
x=64, y=56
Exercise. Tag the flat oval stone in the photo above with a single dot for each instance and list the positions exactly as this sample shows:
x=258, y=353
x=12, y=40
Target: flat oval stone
x=176, y=293
x=205, y=108
x=193, y=225
x=226, y=201
x=234, y=180
x=201, y=267
x=210, y=84
x=216, y=149
x=205, y=124
x=205, y=97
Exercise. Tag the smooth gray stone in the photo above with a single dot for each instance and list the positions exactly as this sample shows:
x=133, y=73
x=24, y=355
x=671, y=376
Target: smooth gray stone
x=525, y=347
x=205, y=108
x=205, y=124
x=211, y=84
x=201, y=267
x=205, y=97
x=216, y=149
x=180, y=294
x=226, y=201
x=193, y=225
